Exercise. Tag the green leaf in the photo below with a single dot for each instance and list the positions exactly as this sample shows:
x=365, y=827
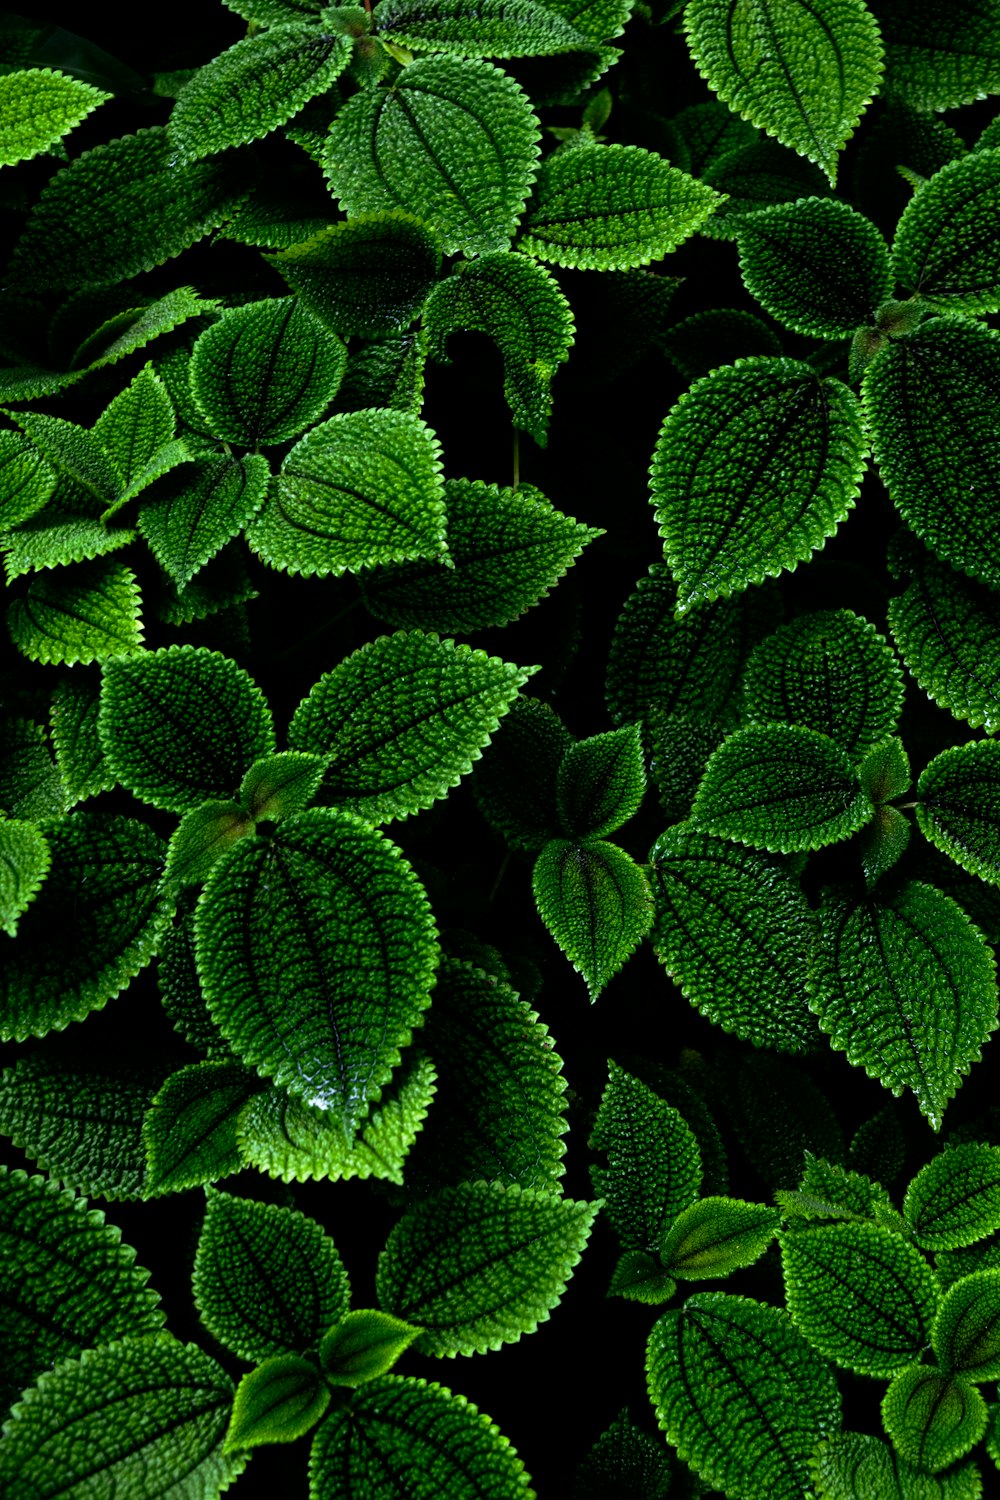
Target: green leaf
x=885, y=771
x=96, y=922
x=803, y=73
x=741, y=1395
x=133, y=329
x=829, y=1191
x=935, y=438
x=717, y=336
x=57, y=536
x=858, y=1466
x=188, y=520
x=267, y=1280
x=966, y=1335
x=755, y=467
x=861, y=1295
x=654, y=1164
x=265, y=371
x=190, y=1127
x=369, y=275
x=933, y=1418
x=887, y=837
x=605, y=208
x=180, y=989
x=716, y=1236
x=24, y=864
x=30, y=785
x=204, y=833
x=278, y=1402
x=38, y=106
x=26, y=479
x=520, y=306
x=935, y=69
x=92, y=614
x=602, y=781
x=480, y=1264
x=120, y=209
x=362, y=488
x=816, y=265
x=625, y=1463
x=316, y=950
x=402, y=720
x=253, y=87
x=831, y=672
x=781, y=787
x=878, y=1147
x=735, y=932
x=93, y=1422
x=281, y=784
x=506, y=548
x=756, y=177
x=958, y=806
x=69, y=1282
x=639, y=1277
x=499, y=28
x=905, y=985
x=139, y=421
x=181, y=725
x=73, y=452
x=515, y=786
x=400, y=1436
x=596, y=902
x=945, y=251
x=680, y=748
x=365, y=1345
x=388, y=372
x=452, y=142
x=955, y=1199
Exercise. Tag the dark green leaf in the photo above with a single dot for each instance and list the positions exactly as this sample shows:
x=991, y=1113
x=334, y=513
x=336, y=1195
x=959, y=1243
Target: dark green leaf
x=281, y=784
x=625, y=1463
x=515, y=786
x=73, y=452
x=134, y=328
x=779, y=1114
x=363, y=1346
x=38, y=106
x=189, y=519
x=204, y=833
x=829, y=1191
x=499, y=28
x=59, y=535
x=717, y=336
x=601, y=784
x=966, y=1335
x=180, y=989
x=30, y=784
x=90, y=614
x=24, y=864
x=190, y=1127
x=945, y=250
x=756, y=177
x=878, y=1147
x=958, y=806
x=387, y=372
x=955, y=1199
x=139, y=421
x=709, y=132
x=932, y=1418
x=596, y=902
x=639, y=1277
x=26, y=479
x=278, y=1402
x=938, y=68
x=716, y=1236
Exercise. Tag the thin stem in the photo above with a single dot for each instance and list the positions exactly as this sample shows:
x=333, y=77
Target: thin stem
x=517, y=458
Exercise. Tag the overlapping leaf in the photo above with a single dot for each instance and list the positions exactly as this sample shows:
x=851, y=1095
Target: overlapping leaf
x=365, y=1344
x=515, y=786
x=601, y=783
x=958, y=806
x=933, y=69
x=500, y=28
x=966, y=1335
x=955, y=1199
x=279, y=1401
x=945, y=251
x=596, y=902
x=24, y=864
x=933, y=1419
x=626, y=1463
x=189, y=519
x=30, y=784
x=90, y=615
x=857, y=1464
x=26, y=480
x=759, y=176
x=38, y=106
x=190, y=1127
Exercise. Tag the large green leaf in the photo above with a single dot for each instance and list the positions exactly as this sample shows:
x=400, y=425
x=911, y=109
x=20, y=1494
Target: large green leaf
x=316, y=951
x=966, y=1334
x=955, y=1199
x=605, y=208
x=596, y=902
x=38, y=106
x=453, y=142
x=905, y=985
x=88, y=614
x=958, y=806
x=859, y=1466
x=190, y=1127
x=402, y=720
x=945, y=250
x=190, y=517
x=755, y=467
x=741, y=1394
x=26, y=479
x=933, y=1418
x=24, y=864
x=802, y=72
x=735, y=932
x=480, y=1264
x=253, y=87
x=936, y=67
x=498, y=28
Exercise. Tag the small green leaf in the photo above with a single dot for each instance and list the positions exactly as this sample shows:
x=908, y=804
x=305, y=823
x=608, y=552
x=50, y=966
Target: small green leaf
x=605, y=208
x=885, y=772
x=741, y=1394
x=933, y=1418
x=596, y=902
x=38, y=106
x=639, y=1277
x=499, y=28
x=30, y=784
x=480, y=1264
x=91, y=614
x=139, y=421
x=363, y=1346
x=267, y=1280
x=24, y=864
x=189, y=519
x=601, y=784
x=945, y=251
x=955, y=1199
x=280, y=1401
x=935, y=69
x=716, y=1236
x=26, y=479
x=190, y=1127
x=205, y=832
x=966, y=1335
x=755, y=468
x=958, y=806
x=515, y=786
x=625, y=1463
x=281, y=784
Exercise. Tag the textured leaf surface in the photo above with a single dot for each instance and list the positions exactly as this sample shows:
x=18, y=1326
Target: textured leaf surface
x=479, y=1264
x=803, y=73
x=906, y=987
x=625, y=1463
x=30, y=785
x=959, y=806
x=73, y=452
x=716, y=1236
x=858, y=1466
x=279, y=1401
x=38, y=106
x=181, y=725
x=596, y=902
x=933, y=69
x=364, y=1345
x=955, y=1199
x=755, y=177
x=932, y=1418
x=515, y=786
x=452, y=142
x=190, y=518
x=755, y=467
x=735, y=932
x=966, y=1335
x=499, y=28
x=402, y=720
x=267, y=1280
x=190, y=1128
x=610, y=207
x=138, y=421
x=602, y=781
x=740, y=1394
x=203, y=834
x=26, y=479
x=945, y=250
x=90, y=615
x=654, y=1164
x=281, y=784
x=362, y=488
x=316, y=952
x=24, y=864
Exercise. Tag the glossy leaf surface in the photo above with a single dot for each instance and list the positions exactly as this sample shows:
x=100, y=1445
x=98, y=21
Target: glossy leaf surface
x=716, y=1236
x=190, y=1127
x=932, y=1418
x=955, y=1199
x=945, y=251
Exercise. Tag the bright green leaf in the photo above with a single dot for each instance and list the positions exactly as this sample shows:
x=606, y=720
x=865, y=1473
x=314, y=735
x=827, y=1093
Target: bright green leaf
x=189, y=520
x=73, y=452
x=966, y=1335
x=955, y=1199
x=363, y=1346
x=281, y=784
x=26, y=480
x=38, y=106
x=278, y=1402
x=933, y=1418
x=498, y=28
x=601, y=784
x=190, y=1127
x=139, y=421
x=945, y=251
x=639, y=1277
x=90, y=614
x=830, y=1191
x=958, y=806
x=859, y=1466
x=596, y=902
x=716, y=1236
x=24, y=864
x=205, y=832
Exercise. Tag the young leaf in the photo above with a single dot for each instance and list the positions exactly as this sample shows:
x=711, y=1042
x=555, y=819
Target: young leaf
x=605, y=208
x=955, y=1199
x=625, y=1463
x=278, y=1402
x=189, y=519
x=265, y=371
x=654, y=1165
x=181, y=725
x=736, y=934
x=966, y=1334
x=402, y=720
x=816, y=265
x=363, y=1346
x=781, y=787
x=190, y=1127
x=933, y=1418
x=945, y=251
x=316, y=951
x=362, y=488
x=420, y=1438
x=204, y=833
x=906, y=987
x=500, y=28
x=741, y=1394
x=932, y=69
x=755, y=467
x=958, y=806
x=480, y=1264
x=94, y=1421
x=596, y=902
x=38, y=106
x=601, y=783
x=716, y=1236
x=96, y=922
x=253, y=87
x=281, y=784
x=520, y=307
x=883, y=843
x=24, y=864
x=452, y=142
x=829, y=1191
x=803, y=73
x=91, y=615
x=267, y=1280
x=26, y=479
